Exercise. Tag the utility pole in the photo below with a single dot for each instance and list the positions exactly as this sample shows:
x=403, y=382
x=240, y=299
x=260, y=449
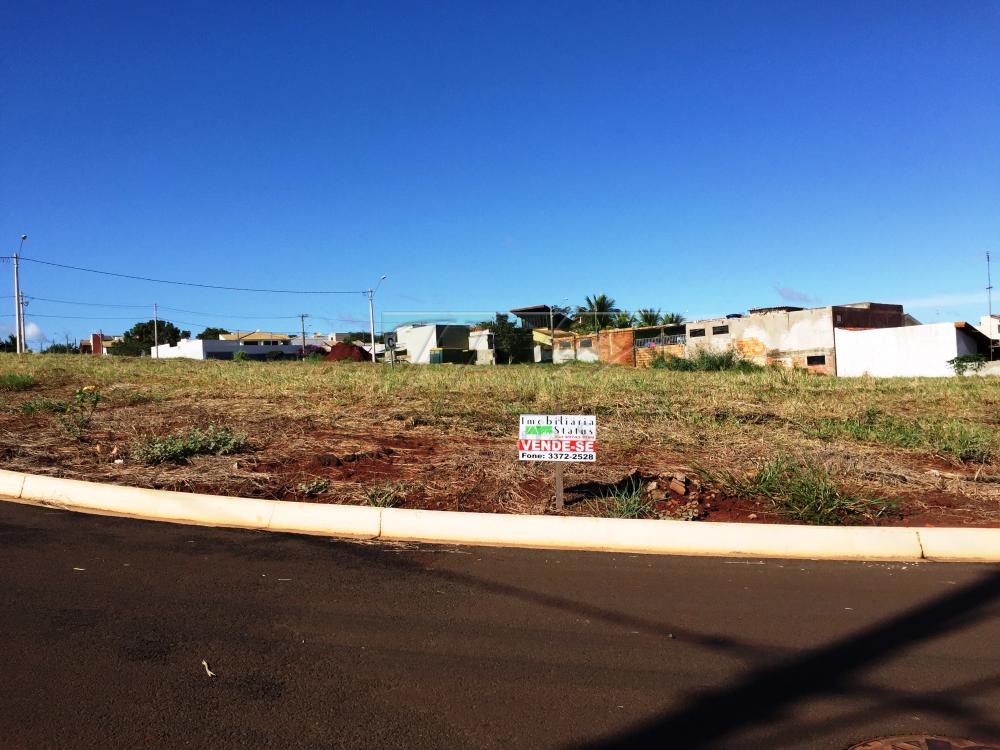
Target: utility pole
x=371, y=312
x=989, y=305
x=156, y=332
x=18, y=299
x=302, y=323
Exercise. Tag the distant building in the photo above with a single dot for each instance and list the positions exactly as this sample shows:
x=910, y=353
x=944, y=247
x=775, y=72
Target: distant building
x=433, y=344
x=98, y=343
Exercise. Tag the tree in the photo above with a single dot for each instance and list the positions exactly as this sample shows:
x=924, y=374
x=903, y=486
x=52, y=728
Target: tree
x=510, y=342
x=596, y=312
x=649, y=317
x=10, y=345
x=62, y=349
x=624, y=320
x=672, y=319
x=211, y=333
x=139, y=338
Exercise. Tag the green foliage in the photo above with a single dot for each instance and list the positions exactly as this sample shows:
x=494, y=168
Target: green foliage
x=177, y=448
x=211, y=333
x=139, y=338
x=598, y=311
x=9, y=344
x=966, y=363
x=672, y=319
x=706, y=361
x=623, y=320
x=79, y=412
x=513, y=344
x=384, y=495
x=314, y=487
x=240, y=356
x=967, y=442
x=62, y=349
x=10, y=381
x=42, y=405
x=649, y=317
x=804, y=492
x=629, y=501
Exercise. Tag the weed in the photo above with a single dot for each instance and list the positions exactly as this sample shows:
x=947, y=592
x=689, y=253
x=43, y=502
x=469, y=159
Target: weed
x=803, y=492
x=79, y=412
x=177, y=448
x=966, y=362
x=706, y=361
x=314, y=487
x=967, y=442
x=384, y=495
x=240, y=357
x=629, y=501
x=42, y=405
x=12, y=382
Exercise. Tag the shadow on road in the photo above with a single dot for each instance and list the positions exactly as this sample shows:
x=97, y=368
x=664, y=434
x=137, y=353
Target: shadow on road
x=765, y=694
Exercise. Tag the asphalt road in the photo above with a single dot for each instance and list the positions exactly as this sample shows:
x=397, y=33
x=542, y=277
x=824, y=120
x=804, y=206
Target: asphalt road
x=316, y=643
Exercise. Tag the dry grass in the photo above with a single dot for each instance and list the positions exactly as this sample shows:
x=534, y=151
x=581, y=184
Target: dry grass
x=451, y=430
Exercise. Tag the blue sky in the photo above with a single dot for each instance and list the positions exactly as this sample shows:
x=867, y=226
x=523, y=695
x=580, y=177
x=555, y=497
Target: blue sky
x=701, y=157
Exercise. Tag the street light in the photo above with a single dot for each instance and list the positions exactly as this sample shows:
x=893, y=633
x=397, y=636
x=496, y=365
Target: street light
x=371, y=312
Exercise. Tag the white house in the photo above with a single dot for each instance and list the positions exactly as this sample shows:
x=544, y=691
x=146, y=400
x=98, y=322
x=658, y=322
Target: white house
x=910, y=351
x=420, y=341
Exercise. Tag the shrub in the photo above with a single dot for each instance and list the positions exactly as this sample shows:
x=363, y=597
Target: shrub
x=177, y=448
x=12, y=382
x=79, y=412
x=967, y=362
x=706, y=361
x=803, y=492
x=240, y=356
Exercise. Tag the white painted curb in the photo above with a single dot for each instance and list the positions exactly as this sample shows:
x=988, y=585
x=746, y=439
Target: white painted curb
x=548, y=532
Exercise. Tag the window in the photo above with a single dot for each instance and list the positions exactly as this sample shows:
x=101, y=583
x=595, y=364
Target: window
x=696, y=332
x=565, y=344
x=720, y=330
x=586, y=343
x=816, y=359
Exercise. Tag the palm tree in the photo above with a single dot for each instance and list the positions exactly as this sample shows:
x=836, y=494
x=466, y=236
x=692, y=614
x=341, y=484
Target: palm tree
x=649, y=317
x=672, y=319
x=597, y=311
x=624, y=320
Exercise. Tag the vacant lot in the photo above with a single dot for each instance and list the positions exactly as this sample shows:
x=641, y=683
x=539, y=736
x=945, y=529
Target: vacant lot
x=767, y=446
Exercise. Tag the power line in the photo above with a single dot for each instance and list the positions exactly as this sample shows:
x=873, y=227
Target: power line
x=186, y=283
x=162, y=307
x=84, y=304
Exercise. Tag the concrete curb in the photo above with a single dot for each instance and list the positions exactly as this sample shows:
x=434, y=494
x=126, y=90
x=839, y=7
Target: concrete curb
x=546, y=532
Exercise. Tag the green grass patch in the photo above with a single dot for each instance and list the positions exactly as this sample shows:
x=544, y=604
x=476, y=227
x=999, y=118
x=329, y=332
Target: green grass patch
x=177, y=448
x=384, y=495
x=42, y=405
x=628, y=501
x=803, y=492
x=706, y=361
x=963, y=440
x=10, y=381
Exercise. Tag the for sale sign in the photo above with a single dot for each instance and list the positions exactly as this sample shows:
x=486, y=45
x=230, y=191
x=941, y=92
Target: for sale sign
x=557, y=437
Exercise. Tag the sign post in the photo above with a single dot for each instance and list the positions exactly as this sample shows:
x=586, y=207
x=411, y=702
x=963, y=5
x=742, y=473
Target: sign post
x=560, y=438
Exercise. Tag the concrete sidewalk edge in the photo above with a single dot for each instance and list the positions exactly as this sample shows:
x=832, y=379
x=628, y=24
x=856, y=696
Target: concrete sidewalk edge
x=545, y=532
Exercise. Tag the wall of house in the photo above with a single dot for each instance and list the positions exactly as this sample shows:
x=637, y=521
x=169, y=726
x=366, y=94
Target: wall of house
x=909, y=351
x=216, y=349
x=990, y=326
x=645, y=355
x=617, y=347
x=585, y=352
x=565, y=351
x=779, y=337
x=418, y=342
x=481, y=342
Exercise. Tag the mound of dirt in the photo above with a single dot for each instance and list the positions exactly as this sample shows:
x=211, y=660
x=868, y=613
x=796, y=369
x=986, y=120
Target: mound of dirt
x=342, y=351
